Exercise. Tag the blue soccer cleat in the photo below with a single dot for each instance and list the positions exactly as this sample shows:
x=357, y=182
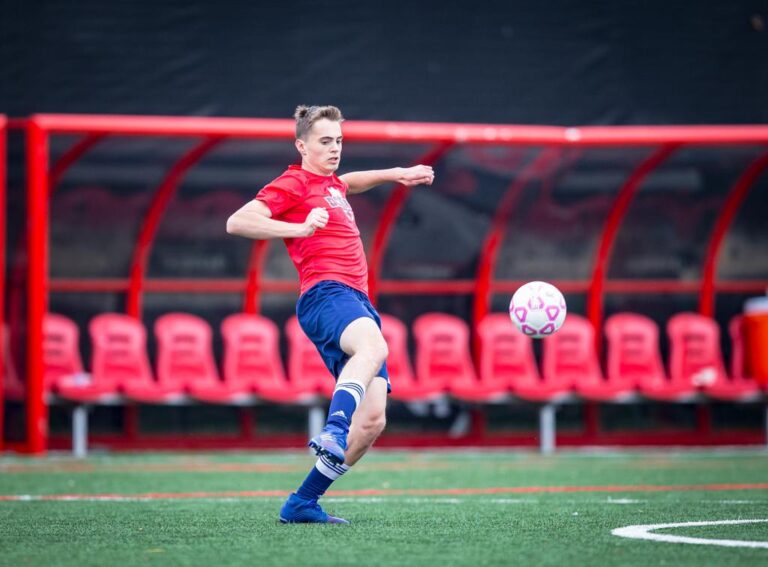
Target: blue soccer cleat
x=299, y=511
x=331, y=443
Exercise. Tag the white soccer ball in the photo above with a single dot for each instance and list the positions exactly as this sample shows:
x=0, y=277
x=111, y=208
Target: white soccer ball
x=537, y=309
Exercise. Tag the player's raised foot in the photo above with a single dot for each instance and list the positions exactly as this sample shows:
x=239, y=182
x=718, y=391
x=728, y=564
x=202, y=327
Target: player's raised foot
x=331, y=443
x=299, y=511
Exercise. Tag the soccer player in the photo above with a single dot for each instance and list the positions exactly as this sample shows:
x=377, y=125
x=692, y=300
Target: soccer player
x=307, y=207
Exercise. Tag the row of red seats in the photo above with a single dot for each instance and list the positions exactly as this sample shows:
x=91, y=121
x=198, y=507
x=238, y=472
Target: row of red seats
x=186, y=368
x=571, y=367
x=252, y=368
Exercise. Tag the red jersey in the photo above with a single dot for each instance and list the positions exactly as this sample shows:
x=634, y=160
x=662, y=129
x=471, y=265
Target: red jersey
x=334, y=252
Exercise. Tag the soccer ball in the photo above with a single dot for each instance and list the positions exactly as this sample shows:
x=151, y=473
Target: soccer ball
x=537, y=309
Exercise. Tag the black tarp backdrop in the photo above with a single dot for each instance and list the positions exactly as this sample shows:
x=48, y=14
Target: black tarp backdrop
x=563, y=62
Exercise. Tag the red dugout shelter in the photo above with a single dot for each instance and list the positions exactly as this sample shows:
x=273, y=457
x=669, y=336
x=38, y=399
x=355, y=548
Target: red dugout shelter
x=542, y=154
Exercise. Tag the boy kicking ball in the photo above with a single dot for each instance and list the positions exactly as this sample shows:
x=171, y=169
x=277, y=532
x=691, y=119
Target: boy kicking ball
x=307, y=207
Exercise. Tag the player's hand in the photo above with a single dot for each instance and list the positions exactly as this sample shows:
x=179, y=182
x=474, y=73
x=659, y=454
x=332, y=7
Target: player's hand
x=317, y=218
x=416, y=175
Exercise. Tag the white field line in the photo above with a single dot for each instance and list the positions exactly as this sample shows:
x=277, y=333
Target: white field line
x=625, y=501
x=645, y=532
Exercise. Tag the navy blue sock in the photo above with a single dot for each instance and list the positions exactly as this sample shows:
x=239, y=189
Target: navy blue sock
x=320, y=478
x=346, y=397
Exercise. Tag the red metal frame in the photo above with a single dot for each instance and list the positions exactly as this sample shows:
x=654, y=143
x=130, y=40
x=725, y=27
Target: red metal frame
x=444, y=135
x=420, y=287
x=730, y=208
x=407, y=132
x=252, y=302
x=59, y=168
x=615, y=217
x=391, y=211
x=71, y=156
x=37, y=284
x=160, y=202
x=492, y=244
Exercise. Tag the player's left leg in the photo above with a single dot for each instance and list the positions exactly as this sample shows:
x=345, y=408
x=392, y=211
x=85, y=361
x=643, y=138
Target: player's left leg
x=367, y=424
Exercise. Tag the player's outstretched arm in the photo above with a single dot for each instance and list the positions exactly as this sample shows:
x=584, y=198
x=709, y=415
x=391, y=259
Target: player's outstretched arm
x=360, y=181
x=253, y=220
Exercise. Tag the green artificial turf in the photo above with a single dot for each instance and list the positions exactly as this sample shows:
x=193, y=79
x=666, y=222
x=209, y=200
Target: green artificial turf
x=400, y=523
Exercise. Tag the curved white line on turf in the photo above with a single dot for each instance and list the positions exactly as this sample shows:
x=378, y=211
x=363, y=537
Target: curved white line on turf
x=644, y=532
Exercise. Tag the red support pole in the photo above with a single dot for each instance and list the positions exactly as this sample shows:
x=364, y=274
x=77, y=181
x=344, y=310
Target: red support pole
x=391, y=212
x=728, y=211
x=408, y=132
x=19, y=266
x=162, y=199
x=611, y=228
x=402, y=287
x=253, y=287
x=37, y=285
x=3, y=329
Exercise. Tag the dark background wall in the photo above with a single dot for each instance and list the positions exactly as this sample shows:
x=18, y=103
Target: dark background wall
x=558, y=62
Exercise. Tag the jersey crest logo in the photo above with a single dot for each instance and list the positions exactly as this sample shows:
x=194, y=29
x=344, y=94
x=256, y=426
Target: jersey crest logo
x=337, y=200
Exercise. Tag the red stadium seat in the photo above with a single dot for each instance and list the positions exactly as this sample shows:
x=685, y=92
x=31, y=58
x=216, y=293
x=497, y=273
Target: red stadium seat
x=506, y=359
x=118, y=356
x=252, y=359
x=61, y=351
x=652, y=381
x=185, y=363
x=405, y=386
x=633, y=357
x=739, y=370
x=566, y=354
x=306, y=370
x=696, y=358
x=443, y=361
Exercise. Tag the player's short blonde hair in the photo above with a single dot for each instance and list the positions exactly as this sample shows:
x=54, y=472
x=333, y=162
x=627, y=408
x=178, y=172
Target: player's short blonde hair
x=306, y=116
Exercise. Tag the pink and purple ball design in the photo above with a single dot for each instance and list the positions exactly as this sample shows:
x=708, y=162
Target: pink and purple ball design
x=537, y=309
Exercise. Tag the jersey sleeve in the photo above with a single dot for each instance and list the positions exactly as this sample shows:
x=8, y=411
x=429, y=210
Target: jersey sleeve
x=281, y=194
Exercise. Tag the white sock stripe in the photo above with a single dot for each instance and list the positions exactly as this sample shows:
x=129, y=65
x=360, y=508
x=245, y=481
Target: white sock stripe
x=356, y=386
x=355, y=389
x=341, y=469
x=325, y=470
x=329, y=469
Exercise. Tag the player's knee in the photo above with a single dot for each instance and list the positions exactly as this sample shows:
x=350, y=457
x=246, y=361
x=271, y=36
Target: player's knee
x=378, y=351
x=375, y=351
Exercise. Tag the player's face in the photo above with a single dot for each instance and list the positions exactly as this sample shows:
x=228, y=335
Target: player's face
x=321, y=151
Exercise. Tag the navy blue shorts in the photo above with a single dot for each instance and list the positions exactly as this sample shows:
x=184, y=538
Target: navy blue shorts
x=324, y=311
